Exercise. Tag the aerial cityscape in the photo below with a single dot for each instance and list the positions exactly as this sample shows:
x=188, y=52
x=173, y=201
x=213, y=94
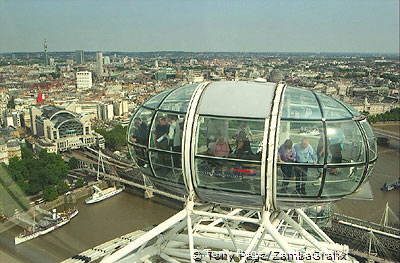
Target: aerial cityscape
x=168, y=137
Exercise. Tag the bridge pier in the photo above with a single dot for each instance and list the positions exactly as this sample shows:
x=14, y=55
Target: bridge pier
x=148, y=193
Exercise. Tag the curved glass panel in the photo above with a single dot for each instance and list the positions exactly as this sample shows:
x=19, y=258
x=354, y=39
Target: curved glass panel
x=351, y=109
x=342, y=181
x=179, y=99
x=139, y=127
x=230, y=138
x=345, y=142
x=230, y=176
x=166, y=133
x=139, y=154
x=298, y=181
x=301, y=142
x=300, y=104
x=155, y=101
x=167, y=166
x=370, y=171
x=332, y=109
x=373, y=147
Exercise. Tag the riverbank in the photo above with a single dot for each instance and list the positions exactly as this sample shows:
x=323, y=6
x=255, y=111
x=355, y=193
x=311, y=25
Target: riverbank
x=392, y=127
x=72, y=196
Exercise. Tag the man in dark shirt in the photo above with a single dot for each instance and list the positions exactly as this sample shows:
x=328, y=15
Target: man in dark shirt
x=161, y=134
x=140, y=132
x=140, y=136
x=162, y=142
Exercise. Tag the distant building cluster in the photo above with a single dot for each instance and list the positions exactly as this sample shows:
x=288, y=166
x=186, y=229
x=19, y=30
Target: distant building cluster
x=103, y=89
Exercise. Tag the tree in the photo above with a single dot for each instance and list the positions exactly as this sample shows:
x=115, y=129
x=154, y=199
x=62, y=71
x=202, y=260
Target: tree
x=26, y=153
x=34, y=173
x=62, y=187
x=17, y=169
x=79, y=183
x=115, y=138
x=50, y=193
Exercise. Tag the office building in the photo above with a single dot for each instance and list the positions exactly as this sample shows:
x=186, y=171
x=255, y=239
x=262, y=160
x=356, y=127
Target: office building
x=105, y=111
x=120, y=108
x=83, y=80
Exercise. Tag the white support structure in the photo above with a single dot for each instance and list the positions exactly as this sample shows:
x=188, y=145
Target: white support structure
x=206, y=233
x=100, y=161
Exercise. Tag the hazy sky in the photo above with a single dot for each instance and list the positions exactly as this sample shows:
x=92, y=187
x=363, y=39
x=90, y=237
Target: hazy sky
x=200, y=25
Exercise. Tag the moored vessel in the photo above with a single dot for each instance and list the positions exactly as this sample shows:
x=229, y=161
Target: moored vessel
x=100, y=195
x=46, y=225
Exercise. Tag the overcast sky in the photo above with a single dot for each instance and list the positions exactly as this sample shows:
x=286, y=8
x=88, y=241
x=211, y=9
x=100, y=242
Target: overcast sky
x=200, y=25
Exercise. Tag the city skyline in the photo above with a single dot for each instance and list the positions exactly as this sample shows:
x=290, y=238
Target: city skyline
x=207, y=26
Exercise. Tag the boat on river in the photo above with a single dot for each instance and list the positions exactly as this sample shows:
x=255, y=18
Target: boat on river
x=100, y=195
x=46, y=225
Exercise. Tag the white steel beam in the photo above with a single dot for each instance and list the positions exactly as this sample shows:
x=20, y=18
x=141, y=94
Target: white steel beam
x=187, y=136
x=304, y=233
x=225, y=216
x=279, y=239
x=145, y=237
x=270, y=153
x=168, y=258
x=313, y=226
x=189, y=210
x=253, y=242
x=220, y=220
x=178, y=241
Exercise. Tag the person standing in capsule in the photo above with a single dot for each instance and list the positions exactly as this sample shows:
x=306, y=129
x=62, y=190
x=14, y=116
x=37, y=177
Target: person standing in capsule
x=304, y=153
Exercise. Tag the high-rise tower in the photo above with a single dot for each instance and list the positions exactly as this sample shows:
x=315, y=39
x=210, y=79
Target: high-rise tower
x=46, y=58
x=99, y=63
x=79, y=56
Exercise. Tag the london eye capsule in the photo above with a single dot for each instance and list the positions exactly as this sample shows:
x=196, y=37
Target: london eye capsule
x=251, y=144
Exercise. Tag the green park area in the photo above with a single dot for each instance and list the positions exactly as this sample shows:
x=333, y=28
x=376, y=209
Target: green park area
x=43, y=173
x=115, y=138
